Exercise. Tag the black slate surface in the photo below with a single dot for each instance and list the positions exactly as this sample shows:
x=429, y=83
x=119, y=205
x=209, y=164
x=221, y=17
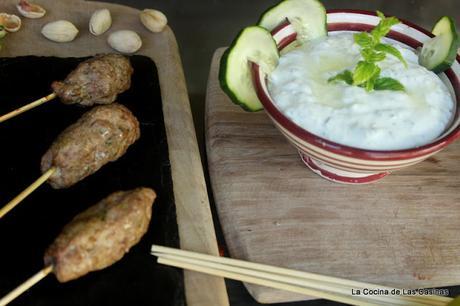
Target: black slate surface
x=27, y=230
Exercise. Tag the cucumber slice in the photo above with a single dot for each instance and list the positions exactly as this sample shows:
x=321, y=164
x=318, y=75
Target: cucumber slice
x=440, y=52
x=253, y=44
x=308, y=17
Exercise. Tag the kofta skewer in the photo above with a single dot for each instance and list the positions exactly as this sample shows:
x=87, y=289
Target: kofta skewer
x=95, y=239
x=100, y=136
x=97, y=80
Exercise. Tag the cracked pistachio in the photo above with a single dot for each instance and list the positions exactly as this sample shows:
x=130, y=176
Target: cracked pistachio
x=100, y=22
x=153, y=20
x=30, y=10
x=10, y=22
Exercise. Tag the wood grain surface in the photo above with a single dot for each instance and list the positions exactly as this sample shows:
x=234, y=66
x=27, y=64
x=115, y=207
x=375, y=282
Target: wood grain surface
x=193, y=213
x=402, y=231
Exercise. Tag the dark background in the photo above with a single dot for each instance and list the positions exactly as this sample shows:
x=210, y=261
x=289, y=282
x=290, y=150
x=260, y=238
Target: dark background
x=204, y=25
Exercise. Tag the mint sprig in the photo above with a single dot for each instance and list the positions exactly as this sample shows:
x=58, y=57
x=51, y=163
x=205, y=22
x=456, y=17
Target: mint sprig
x=366, y=73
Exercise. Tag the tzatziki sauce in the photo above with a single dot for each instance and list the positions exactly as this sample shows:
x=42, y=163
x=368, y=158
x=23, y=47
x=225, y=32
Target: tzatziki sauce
x=349, y=115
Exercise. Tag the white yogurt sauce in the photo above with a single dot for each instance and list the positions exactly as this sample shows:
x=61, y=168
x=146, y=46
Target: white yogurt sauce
x=349, y=115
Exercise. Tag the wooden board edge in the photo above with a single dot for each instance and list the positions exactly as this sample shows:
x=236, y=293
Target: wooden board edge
x=191, y=196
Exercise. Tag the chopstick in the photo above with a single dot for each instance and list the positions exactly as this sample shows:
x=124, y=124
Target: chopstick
x=311, y=284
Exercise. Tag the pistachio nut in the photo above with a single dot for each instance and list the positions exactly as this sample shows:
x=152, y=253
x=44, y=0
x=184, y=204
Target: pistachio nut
x=153, y=20
x=10, y=22
x=60, y=31
x=30, y=10
x=125, y=41
x=100, y=22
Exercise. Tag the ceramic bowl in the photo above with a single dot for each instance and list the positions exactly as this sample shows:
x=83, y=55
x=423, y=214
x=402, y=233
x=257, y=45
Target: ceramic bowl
x=346, y=164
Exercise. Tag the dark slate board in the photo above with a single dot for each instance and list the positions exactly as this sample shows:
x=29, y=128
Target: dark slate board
x=27, y=230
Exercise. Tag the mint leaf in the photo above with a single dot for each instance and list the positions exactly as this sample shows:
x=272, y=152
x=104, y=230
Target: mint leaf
x=388, y=84
x=364, y=71
x=369, y=85
x=364, y=40
x=380, y=14
x=391, y=50
x=345, y=76
x=383, y=27
x=370, y=55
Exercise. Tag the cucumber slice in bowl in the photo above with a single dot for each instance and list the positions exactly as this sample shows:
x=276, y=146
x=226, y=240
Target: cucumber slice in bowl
x=440, y=52
x=308, y=17
x=253, y=44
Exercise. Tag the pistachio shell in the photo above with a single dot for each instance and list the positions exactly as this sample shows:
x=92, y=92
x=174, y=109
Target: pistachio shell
x=153, y=20
x=30, y=10
x=125, y=41
x=60, y=31
x=10, y=22
x=100, y=22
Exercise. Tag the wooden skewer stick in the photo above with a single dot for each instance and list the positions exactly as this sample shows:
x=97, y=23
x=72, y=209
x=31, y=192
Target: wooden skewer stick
x=296, y=278
x=26, y=285
x=267, y=283
x=341, y=289
x=310, y=284
x=27, y=107
x=24, y=194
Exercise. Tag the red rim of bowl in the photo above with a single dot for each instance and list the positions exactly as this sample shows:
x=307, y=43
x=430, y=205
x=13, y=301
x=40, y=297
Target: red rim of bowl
x=376, y=155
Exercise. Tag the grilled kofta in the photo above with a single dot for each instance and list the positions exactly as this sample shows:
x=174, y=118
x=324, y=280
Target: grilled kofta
x=101, y=135
x=101, y=235
x=96, y=81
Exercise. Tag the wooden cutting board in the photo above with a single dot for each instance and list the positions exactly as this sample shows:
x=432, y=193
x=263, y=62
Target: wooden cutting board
x=194, y=217
x=402, y=231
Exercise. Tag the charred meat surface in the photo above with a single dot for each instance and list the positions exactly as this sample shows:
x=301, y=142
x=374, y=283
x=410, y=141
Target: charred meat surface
x=101, y=135
x=96, y=81
x=101, y=235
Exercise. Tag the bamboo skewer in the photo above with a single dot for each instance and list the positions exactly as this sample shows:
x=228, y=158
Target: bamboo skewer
x=264, y=282
x=299, y=279
x=26, y=285
x=315, y=285
x=27, y=107
x=24, y=194
x=302, y=283
x=281, y=271
x=326, y=293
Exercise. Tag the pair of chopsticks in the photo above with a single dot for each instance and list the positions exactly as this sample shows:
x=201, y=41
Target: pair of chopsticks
x=315, y=285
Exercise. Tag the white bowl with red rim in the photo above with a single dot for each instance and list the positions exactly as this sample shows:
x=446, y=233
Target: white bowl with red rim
x=346, y=164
